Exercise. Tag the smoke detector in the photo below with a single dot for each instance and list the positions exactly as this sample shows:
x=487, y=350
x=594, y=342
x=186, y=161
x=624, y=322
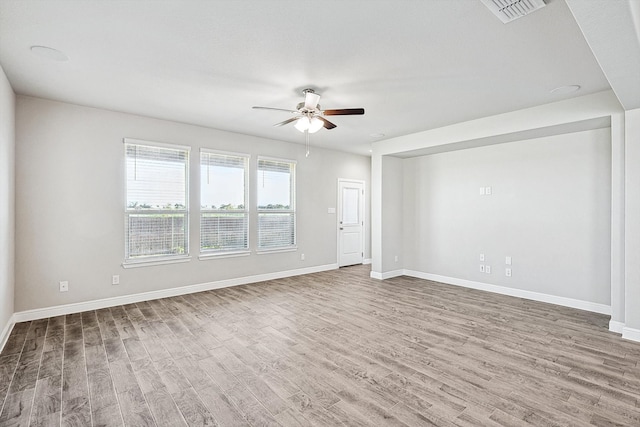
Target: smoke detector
x=509, y=10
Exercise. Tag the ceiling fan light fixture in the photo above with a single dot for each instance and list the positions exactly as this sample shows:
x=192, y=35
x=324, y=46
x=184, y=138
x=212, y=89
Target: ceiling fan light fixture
x=302, y=124
x=315, y=125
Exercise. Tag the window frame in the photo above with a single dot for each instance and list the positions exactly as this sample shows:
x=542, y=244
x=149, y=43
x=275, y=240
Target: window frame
x=149, y=260
x=224, y=253
x=292, y=206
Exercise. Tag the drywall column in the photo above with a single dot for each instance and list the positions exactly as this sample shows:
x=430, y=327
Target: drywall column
x=392, y=217
x=386, y=216
x=617, y=222
x=376, y=215
x=7, y=205
x=631, y=330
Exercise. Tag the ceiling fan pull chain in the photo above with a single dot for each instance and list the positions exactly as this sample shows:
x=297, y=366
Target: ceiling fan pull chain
x=306, y=138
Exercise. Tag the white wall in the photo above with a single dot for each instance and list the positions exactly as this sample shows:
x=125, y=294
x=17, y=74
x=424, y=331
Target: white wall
x=632, y=227
x=70, y=202
x=549, y=210
x=7, y=203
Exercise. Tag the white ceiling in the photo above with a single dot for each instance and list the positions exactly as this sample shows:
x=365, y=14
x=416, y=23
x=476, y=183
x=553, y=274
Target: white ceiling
x=412, y=64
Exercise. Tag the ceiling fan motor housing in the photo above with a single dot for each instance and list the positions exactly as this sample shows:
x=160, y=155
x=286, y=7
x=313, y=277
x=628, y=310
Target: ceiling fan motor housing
x=300, y=107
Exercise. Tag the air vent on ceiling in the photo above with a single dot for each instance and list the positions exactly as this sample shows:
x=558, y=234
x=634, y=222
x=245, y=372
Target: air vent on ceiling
x=509, y=10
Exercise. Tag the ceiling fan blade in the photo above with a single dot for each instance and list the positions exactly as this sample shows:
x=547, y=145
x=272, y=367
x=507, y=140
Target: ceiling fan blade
x=311, y=100
x=286, y=122
x=276, y=109
x=344, y=112
x=327, y=124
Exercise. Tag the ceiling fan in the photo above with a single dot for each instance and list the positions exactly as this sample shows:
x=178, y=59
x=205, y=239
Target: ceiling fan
x=309, y=116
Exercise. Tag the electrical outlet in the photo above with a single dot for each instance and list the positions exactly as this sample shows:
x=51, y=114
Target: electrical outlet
x=301, y=257
x=395, y=258
x=488, y=191
x=481, y=268
x=482, y=191
x=64, y=286
x=507, y=260
x=507, y=272
x=487, y=269
x=115, y=280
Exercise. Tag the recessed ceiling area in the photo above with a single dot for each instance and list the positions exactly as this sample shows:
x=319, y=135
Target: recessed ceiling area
x=413, y=65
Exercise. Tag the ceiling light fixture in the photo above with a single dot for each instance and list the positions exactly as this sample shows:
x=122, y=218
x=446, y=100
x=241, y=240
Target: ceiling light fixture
x=49, y=53
x=311, y=125
x=563, y=90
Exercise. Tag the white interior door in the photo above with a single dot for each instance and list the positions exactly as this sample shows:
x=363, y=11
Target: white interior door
x=350, y=222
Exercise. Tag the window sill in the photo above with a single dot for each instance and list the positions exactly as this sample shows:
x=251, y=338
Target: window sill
x=219, y=255
x=150, y=263
x=276, y=250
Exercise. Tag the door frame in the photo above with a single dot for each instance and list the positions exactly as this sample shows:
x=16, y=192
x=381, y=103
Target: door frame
x=339, y=212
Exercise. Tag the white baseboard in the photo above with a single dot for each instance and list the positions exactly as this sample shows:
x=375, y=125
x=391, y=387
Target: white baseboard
x=616, y=327
x=375, y=275
x=366, y=261
x=631, y=334
x=386, y=274
x=4, y=336
x=535, y=296
x=43, y=313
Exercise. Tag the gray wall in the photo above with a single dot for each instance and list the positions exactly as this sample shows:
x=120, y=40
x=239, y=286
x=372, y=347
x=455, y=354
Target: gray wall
x=392, y=182
x=549, y=210
x=70, y=204
x=7, y=200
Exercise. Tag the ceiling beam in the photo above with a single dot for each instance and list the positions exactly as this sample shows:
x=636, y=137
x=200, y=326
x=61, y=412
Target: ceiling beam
x=612, y=30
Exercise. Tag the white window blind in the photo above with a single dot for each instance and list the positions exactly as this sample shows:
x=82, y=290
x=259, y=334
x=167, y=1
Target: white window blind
x=156, y=212
x=224, y=215
x=276, y=204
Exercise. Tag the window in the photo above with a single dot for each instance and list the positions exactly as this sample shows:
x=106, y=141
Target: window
x=224, y=216
x=156, y=213
x=276, y=204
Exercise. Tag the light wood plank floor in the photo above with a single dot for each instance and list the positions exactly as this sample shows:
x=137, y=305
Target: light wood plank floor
x=332, y=348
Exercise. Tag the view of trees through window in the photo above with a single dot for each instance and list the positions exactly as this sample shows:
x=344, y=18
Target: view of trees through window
x=156, y=211
x=224, y=218
x=157, y=205
x=276, y=204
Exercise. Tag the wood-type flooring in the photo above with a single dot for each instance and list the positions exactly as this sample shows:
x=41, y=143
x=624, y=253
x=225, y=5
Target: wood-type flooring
x=326, y=349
